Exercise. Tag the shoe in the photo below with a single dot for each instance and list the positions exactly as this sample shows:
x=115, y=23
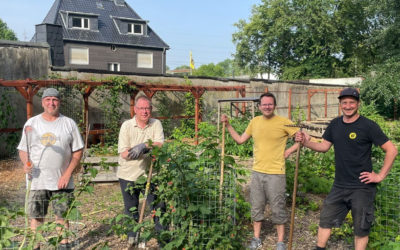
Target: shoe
x=255, y=244
x=64, y=246
x=280, y=246
x=132, y=240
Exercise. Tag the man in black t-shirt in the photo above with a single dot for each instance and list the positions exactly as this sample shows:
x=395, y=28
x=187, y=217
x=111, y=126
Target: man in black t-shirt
x=355, y=182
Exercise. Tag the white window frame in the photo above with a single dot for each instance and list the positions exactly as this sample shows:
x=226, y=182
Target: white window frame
x=82, y=59
x=111, y=66
x=132, y=25
x=82, y=23
x=142, y=56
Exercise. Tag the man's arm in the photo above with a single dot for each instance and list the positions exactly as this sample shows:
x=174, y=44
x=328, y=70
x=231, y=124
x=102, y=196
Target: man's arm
x=75, y=161
x=236, y=137
x=305, y=139
x=291, y=150
x=390, y=154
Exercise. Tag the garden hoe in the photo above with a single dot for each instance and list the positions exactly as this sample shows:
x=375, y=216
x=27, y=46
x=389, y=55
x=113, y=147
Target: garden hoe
x=221, y=180
x=296, y=173
x=142, y=245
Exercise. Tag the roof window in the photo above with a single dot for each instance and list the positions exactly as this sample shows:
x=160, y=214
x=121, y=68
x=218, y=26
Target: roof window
x=134, y=28
x=80, y=22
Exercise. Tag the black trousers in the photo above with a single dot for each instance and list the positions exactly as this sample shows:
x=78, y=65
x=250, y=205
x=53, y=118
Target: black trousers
x=131, y=194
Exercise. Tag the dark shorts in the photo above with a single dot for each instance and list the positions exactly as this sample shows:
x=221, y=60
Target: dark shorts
x=39, y=202
x=338, y=203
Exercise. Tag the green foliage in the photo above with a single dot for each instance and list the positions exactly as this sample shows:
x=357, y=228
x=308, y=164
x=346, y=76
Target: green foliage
x=209, y=70
x=188, y=179
x=101, y=150
x=110, y=94
x=382, y=88
x=316, y=174
x=8, y=120
x=311, y=39
x=6, y=33
x=231, y=147
x=294, y=39
x=186, y=129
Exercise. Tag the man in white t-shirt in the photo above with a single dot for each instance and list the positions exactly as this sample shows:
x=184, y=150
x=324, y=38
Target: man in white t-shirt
x=55, y=149
x=133, y=160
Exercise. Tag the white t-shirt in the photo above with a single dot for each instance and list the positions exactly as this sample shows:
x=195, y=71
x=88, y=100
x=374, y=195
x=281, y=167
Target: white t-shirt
x=51, y=144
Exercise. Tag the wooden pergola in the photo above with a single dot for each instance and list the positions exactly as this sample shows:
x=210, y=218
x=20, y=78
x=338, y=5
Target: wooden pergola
x=29, y=88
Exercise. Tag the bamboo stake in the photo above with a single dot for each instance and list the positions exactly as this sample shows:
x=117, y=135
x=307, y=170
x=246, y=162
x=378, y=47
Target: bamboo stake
x=221, y=180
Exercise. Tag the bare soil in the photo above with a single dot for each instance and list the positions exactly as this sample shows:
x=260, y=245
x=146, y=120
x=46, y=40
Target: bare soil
x=106, y=203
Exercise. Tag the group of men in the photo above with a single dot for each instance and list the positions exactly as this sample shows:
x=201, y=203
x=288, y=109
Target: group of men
x=51, y=148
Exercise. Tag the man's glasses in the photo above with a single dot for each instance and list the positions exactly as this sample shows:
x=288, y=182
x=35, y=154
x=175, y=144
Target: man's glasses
x=144, y=109
x=267, y=105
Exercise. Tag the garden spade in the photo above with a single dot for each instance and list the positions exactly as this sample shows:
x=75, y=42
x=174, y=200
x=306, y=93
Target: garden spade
x=141, y=215
x=221, y=180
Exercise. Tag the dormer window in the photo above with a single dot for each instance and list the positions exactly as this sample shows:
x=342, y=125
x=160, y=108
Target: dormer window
x=80, y=22
x=134, y=28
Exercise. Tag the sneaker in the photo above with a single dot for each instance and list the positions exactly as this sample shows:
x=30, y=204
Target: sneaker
x=280, y=246
x=132, y=240
x=255, y=244
x=64, y=246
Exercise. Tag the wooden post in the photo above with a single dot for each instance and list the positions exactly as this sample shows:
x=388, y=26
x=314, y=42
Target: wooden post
x=28, y=93
x=196, y=120
x=132, y=102
x=326, y=103
x=308, y=105
x=290, y=104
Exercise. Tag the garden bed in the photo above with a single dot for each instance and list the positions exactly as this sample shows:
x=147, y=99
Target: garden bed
x=106, y=202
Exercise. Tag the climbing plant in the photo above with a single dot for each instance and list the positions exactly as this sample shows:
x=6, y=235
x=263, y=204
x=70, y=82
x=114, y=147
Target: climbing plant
x=8, y=120
x=110, y=95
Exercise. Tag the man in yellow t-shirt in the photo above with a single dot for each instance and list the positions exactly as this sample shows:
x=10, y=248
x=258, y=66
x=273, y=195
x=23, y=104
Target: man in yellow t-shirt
x=268, y=180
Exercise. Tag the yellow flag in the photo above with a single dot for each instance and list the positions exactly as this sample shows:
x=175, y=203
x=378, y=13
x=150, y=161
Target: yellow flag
x=191, y=61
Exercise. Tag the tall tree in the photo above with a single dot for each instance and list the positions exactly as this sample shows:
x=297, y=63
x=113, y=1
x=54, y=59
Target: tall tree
x=385, y=26
x=300, y=38
x=6, y=33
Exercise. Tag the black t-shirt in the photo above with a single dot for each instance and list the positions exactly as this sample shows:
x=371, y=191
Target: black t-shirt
x=352, y=143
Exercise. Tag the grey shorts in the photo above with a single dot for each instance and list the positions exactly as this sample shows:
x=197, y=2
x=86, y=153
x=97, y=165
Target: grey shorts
x=268, y=188
x=338, y=203
x=39, y=202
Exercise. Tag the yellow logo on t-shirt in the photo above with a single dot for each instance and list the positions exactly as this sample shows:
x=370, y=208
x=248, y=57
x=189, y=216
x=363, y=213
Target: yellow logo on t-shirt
x=352, y=135
x=48, y=139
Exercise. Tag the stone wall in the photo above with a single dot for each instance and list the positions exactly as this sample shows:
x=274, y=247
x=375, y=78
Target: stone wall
x=21, y=60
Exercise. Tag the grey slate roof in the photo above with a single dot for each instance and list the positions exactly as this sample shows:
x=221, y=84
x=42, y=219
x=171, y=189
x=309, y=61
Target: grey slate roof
x=107, y=30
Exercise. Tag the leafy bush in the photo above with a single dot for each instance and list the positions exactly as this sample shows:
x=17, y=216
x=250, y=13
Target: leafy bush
x=382, y=88
x=231, y=147
x=188, y=179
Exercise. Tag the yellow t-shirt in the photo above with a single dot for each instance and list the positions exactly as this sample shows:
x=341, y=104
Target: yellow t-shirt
x=270, y=137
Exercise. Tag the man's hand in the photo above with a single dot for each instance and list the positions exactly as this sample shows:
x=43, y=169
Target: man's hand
x=225, y=119
x=370, y=177
x=28, y=167
x=137, y=151
x=63, y=181
x=302, y=137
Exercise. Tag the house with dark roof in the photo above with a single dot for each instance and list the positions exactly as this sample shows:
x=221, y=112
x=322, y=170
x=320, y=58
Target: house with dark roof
x=101, y=35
